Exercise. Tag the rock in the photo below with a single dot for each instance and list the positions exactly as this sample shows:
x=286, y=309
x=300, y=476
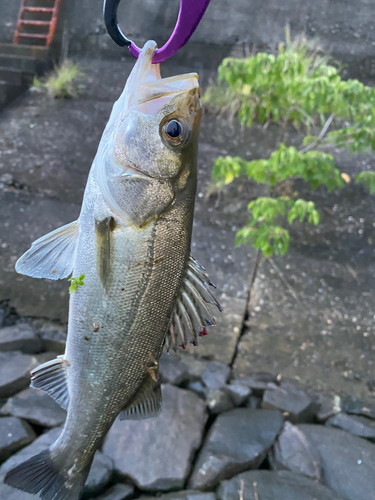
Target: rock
x=100, y=473
x=348, y=462
x=238, y=393
x=292, y=451
x=269, y=485
x=156, y=453
x=173, y=370
x=216, y=375
x=36, y=407
x=258, y=382
x=254, y=402
x=356, y=407
x=184, y=495
x=196, y=367
x=119, y=491
x=238, y=439
x=190, y=495
x=19, y=337
x=198, y=388
x=2, y=315
x=53, y=335
x=176, y=370
x=296, y=405
x=15, y=372
x=218, y=401
x=37, y=446
x=355, y=424
x=329, y=406
x=14, y=435
x=7, y=179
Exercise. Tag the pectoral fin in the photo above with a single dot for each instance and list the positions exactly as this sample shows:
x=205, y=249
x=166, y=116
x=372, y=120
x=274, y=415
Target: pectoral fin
x=51, y=256
x=103, y=230
x=146, y=404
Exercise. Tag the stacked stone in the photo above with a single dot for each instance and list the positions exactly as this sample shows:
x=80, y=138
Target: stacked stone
x=219, y=437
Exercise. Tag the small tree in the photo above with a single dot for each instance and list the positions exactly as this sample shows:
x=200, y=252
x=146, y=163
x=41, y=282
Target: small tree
x=296, y=87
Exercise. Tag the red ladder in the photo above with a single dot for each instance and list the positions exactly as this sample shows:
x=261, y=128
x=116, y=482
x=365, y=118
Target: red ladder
x=49, y=13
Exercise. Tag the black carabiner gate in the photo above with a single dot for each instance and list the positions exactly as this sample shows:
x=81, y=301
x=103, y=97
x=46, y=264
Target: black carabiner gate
x=110, y=20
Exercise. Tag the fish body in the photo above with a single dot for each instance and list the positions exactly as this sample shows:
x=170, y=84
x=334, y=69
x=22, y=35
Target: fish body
x=141, y=286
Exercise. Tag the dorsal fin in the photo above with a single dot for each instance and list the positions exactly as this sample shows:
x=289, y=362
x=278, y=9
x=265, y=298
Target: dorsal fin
x=51, y=377
x=192, y=314
x=51, y=256
x=146, y=404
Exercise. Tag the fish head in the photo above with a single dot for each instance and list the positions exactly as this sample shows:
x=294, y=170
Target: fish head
x=153, y=137
x=152, y=151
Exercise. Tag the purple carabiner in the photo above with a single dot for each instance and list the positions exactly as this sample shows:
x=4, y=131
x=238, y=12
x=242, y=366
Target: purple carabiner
x=191, y=12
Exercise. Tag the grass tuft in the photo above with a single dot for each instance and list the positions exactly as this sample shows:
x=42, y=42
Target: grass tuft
x=63, y=82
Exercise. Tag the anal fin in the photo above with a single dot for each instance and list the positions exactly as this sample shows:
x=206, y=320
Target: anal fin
x=51, y=377
x=51, y=256
x=146, y=404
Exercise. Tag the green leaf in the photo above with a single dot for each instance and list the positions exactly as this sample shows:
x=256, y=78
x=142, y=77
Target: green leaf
x=75, y=283
x=368, y=179
x=297, y=86
x=227, y=169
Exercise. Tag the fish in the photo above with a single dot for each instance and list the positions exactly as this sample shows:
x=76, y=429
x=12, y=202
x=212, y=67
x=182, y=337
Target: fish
x=139, y=289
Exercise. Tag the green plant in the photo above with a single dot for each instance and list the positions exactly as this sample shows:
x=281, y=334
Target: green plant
x=75, y=283
x=296, y=87
x=63, y=82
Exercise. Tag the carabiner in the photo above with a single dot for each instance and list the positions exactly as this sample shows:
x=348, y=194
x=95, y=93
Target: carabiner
x=189, y=16
x=110, y=21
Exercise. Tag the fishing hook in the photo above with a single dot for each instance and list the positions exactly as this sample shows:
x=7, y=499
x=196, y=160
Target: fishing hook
x=189, y=16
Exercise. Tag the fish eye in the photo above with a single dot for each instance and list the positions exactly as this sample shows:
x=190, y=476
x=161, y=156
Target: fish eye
x=175, y=131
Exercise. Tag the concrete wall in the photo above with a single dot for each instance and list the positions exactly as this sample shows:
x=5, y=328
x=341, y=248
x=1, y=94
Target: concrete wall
x=344, y=27
x=9, y=16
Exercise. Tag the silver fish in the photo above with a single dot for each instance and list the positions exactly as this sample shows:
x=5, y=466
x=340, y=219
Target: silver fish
x=141, y=289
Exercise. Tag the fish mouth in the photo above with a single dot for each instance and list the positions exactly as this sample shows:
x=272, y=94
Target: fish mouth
x=168, y=87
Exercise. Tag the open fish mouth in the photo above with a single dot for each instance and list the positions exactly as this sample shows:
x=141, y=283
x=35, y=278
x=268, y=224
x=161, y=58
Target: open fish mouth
x=153, y=95
x=168, y=87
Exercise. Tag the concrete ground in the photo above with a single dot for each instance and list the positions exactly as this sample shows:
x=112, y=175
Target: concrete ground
x=310, y=314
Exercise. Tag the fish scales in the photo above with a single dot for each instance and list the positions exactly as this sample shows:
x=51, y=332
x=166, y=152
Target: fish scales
x=132, y=323
x=131, y=246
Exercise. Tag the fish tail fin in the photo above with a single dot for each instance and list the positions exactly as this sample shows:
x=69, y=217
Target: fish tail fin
x=42, y=474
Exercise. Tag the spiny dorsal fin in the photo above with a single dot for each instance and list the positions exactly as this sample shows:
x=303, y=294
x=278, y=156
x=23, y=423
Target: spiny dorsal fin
x=147, y=403
x=51, y=377
x=192, y=314
x=51, y=256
